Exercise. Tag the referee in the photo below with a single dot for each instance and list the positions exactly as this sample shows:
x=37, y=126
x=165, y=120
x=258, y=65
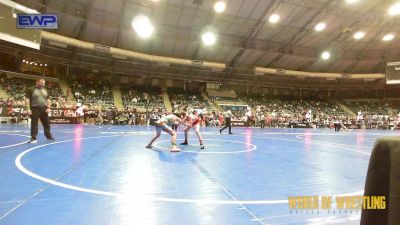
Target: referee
x=37, y=104
x=228, y=116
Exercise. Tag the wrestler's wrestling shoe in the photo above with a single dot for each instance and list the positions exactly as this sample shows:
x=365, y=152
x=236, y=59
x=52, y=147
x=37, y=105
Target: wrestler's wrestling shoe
x=175, y=149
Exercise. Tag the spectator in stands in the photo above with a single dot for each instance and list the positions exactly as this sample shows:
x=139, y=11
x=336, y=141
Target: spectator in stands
x=131, y=117
x=99, y=119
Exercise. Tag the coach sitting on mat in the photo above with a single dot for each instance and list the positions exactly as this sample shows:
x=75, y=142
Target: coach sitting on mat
x=37, y=104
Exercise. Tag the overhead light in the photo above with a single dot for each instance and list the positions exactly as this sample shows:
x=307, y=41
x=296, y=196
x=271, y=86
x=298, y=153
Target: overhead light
x=359, y=35
x=388, y=37
x=274, y=18
x=352, y=1
x=31, y=63
x=41, y=64
x=209, y=38
x=142, y=26
x=35, y=64
x=26, y=62
x=219, y=6
x=45, y=64
x=394, y=9
x=23, y=60
x=325, y=55
x=320, y=27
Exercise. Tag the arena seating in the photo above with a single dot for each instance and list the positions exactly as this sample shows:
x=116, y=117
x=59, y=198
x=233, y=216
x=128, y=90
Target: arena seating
x=223, y=99
x=54, y=90
x=328, y=108
x=395, y=104
x=223, y=96
x=141, y=97
x=282, y=112
x=95, y=94
x=181, y=99
x=293, y=107
x=368, y=108
x=15, y=88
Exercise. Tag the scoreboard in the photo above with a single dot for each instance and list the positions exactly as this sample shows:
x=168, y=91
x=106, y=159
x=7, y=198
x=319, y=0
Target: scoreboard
x=393, y=73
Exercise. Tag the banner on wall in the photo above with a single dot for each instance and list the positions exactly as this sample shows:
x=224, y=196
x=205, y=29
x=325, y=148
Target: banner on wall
x=63, y=120
x=239, y=123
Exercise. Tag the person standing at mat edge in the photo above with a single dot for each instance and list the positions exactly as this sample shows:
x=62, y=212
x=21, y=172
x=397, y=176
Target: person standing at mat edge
x=37, y=104
x=228, y=116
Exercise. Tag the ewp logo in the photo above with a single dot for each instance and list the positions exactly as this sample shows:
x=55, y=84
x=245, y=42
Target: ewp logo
x=37, y=21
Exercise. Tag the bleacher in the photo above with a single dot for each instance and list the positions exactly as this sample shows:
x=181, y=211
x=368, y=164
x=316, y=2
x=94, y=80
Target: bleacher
x=223, y=97
x=54, y=90
x=284, y=107
x=95, y=94
x=368, y=108
x=328, y=108
x=395, y=105
x=16, y=87
x=142, y=98
x=181, y=100
x=276, y=106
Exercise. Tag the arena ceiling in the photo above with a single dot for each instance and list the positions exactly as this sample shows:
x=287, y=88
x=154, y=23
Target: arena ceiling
x=245, y=37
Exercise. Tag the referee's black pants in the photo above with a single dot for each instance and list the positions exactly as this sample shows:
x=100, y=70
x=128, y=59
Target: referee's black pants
x=227, y=124
x=337, y=126
x=40, y=113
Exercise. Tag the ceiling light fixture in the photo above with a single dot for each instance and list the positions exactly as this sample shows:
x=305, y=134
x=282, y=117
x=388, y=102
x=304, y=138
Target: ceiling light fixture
x=359, y=35
x=388, y=37
x=325, y=55
x=142, y=26
x=219, y=6
x=352, y=1
x=320, y=27
x=394, y=9
x=209, y=38
x=274, y=18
